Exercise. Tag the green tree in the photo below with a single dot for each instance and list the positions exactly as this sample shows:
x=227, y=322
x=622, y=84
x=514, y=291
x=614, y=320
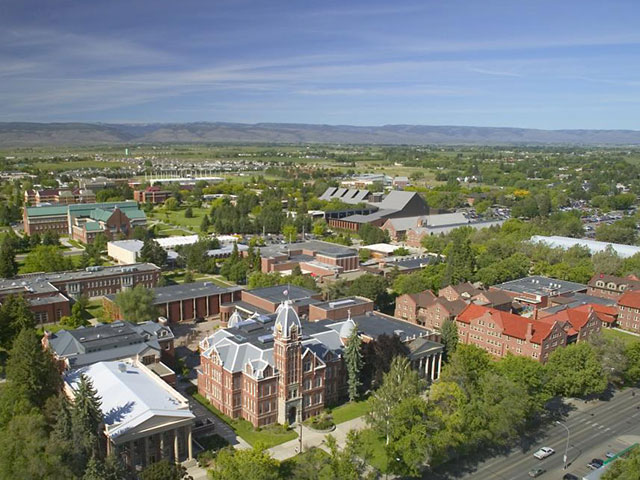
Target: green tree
x=319, y=228
x=86, y=418
x=15, y=315
x=188, y=213
x=171, y=204
x=165, y=470
x=449, y=337
x=353, y=361
x=377, y=356
x=137, y=304
x=346, y=463
x=23, y=451
x=531, y=376
x=31, y=371
x=626, y=468
x=204, y=224
x=290, y=232
x=51, y=238
x=8, y=265
x=242, y=464
x=152, y=252
x=607, y=262
x=574, y=371
x=400, y=382
x=364, y=254
x=411, y=429
x=46, y=258
x=373, y=287
x=632, y=371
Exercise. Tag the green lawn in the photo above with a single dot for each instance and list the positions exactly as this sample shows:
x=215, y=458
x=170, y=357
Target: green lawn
x=177, y=217
x=627, y=338
x=268, y=436
x=53, y=328
x=95, y=310
x=349, y=411
x=373, y=449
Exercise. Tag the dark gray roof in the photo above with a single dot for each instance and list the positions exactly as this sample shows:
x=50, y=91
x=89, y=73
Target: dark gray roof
x=410, y=262
x=539, y=285
x=110, y=341
x=342, y=303
x=185, y=291
x=276, y=294
x=49, y=299
x=327, y=249
x=368, y=218
x=374, y=324
x=397, y=200
x=577, y=299
x=347, y=195
x=95, y=272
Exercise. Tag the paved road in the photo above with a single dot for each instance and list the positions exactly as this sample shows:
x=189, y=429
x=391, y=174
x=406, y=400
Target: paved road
x=595, y=429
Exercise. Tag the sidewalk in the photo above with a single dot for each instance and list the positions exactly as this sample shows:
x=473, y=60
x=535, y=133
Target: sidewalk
x=311, y=438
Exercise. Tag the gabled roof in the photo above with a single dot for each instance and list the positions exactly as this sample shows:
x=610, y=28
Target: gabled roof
x=511, y=325
x=397, y=200
x=630, y=280
x=577, y=318
x=630, y=299
x=131, y=395
x=351, y=196
x=422, y=299
x=495, y=297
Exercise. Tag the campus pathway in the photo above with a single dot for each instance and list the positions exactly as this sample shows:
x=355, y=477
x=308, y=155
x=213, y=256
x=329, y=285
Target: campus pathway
x=311, y=438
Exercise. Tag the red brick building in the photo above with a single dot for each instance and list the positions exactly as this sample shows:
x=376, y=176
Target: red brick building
x=441, y=309
x=153, y=195
x=183, y=302
x=579, y=322
x=629, y=311
x=409, y=304
x=461, y=291
x=611, y=286
x=500, y=332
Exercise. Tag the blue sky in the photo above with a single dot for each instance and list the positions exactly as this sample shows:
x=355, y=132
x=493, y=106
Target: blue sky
x=522, y=63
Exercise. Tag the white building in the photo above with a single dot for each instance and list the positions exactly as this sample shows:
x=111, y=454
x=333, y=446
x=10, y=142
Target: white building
x=125, y=252
x=594, y=246
x=145, y=420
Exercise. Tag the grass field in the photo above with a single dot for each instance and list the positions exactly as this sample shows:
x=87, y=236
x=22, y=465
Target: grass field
x=56, y=166
x=374, y=448
x=349, y=411
x=627, y=338
x=268, y=437
x=177, y=217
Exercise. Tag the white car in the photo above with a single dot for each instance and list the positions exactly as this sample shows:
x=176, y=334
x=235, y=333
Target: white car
x=544, y=452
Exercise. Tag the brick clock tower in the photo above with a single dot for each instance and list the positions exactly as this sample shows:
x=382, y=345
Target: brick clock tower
x=287, y=356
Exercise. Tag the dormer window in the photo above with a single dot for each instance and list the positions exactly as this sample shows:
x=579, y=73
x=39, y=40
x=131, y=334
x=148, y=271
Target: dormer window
x=611, y=285
x=599, y=283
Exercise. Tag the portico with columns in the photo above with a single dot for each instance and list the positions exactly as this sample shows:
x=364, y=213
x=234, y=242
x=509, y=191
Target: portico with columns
x=426, y=357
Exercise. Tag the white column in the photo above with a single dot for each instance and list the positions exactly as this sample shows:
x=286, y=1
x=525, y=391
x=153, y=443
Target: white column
x=439, y=364
x=207, y=300
x=181, y=310
x=195, y=313
x=176, y=454
x=161, y=446
x=190, y=447
x=426, y=366
x=433, y=368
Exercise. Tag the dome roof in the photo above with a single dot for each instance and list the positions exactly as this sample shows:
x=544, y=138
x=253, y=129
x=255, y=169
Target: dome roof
x=287, y=318
x=234, y=319
x=347, y=328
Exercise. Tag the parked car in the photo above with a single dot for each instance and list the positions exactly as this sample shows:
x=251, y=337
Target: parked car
x=536, y=472
x=570, y=476
x=595, y=463
x=544, y=452
x=610, y=454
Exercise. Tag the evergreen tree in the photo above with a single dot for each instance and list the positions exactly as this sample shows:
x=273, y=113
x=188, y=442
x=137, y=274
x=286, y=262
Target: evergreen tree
x=152, y=252
x=353, y=361
x=95, y=469
x=86, y=418
x=449, y=334
x=136, y=304
x=15, y=315
x=31, y=370
x=8, y=265
x=204, y=225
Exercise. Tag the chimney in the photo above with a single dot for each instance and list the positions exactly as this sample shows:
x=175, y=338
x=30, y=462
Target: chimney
x=535, y=312
x=529, y=333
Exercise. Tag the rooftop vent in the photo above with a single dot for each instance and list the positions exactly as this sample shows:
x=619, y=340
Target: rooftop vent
x=122, y=367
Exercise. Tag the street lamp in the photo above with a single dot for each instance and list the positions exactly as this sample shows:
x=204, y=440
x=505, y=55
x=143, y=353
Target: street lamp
x=566, y=449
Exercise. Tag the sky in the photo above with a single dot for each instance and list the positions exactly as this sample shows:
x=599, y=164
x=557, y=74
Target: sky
x=518, y=63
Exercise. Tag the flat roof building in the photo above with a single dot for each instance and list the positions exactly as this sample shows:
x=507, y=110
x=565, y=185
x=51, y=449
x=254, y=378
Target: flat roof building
x=536, y=290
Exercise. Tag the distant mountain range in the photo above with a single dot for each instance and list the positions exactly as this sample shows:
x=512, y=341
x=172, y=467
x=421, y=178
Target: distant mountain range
x=15, y=134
